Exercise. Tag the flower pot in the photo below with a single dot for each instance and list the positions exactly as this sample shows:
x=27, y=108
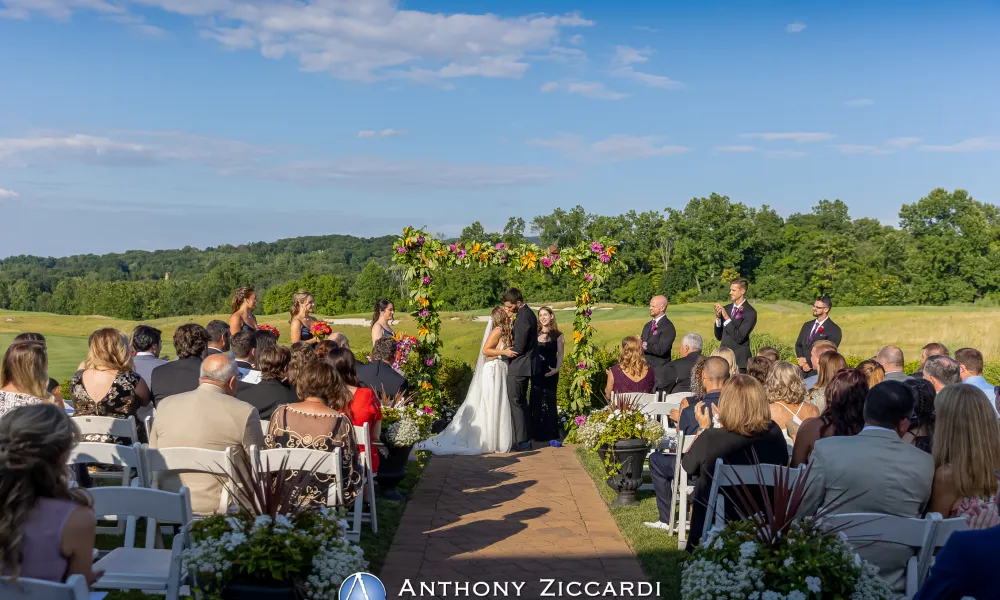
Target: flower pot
x=630, y=454
x=391, y=471
x=258, y=591
x=438, y=426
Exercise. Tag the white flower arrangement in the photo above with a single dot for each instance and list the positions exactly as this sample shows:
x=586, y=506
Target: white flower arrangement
x=404, y=432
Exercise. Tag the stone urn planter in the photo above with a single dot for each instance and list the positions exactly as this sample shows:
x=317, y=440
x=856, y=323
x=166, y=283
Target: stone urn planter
x=630, y=454
x=392, y=470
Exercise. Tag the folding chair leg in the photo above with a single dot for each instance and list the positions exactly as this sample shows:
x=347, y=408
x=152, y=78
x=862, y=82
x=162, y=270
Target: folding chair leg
x=682, y=518
x=371, y=501
x=674, y=499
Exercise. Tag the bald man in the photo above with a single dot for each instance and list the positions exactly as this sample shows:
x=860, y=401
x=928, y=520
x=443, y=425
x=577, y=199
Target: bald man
x=657, y=340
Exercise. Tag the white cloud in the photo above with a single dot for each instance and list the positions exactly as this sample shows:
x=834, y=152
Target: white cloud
x=8, y=193
x=754, y=149
x=978, y=144
x=614, y=148
x=860, y=102
x=903, y=142
x=371, y=133
x=736, y=149
x=587, y=89
x=626, y=56
x=237, y=159
x=361, y=40
x=796, y=27
x=576, y=40
x=795, y=137
x=862, y=149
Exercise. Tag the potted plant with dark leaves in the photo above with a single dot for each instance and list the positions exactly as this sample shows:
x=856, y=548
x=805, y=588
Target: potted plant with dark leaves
x=404, y=425
x=622, y=435
x=269, y=546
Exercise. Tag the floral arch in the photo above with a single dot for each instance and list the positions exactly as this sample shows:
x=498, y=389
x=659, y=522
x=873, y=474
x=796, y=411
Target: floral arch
x=423, y=256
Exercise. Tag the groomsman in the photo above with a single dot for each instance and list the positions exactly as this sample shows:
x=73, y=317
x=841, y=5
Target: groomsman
x=821, y=327
x=735, y=321
x=658, y=339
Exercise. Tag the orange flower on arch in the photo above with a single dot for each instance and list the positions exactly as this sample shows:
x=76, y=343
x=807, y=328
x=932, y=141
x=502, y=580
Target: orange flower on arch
x=577, y=336
x=423, y=302
x=610, y=250
x=423, y=331
x=528, y=260
x=476, y=248
x=426, y=385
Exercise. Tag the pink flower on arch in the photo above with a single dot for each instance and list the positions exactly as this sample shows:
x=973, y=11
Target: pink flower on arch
x=402, y=250
x=580, y=420
x=424, y=313
x=604, y=257
x=581, y=365
x=420, y=239
x=451, y=248
x=428, y=410
x=427, y=280
x=503, y=258
x=589, y=277
x=429, y=362
x=588, y=312
x=501, y=246
x=546, y=262
x=461, y=253
x=597, y=247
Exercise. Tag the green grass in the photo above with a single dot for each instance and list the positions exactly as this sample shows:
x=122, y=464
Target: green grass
x=656, y=550
x=375, y=545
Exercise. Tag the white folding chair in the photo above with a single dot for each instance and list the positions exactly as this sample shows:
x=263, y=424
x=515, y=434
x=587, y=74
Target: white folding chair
x=676, y=398
x=163, y=461
x=731, y=475
x=113, y=426
x=147, y=569
x=148, y=422
x=659, y=412
x=127, y=457
x=870, y=528
x=943, y=528
x=682, y=491
x=26, y=588
x=364, y=436
x=265, y=426
x=302, y=459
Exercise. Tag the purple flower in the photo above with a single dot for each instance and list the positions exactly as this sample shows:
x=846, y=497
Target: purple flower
x=420, y=239
x=451, y=248
x=581, y=365
x=429, y=362
x=588, y=312
x=589, y=277
x=580, y=420
x=426, y=280
x=402, y=250
x=597, y=247
x=461, y=253
x=503, y=258
x=424, y=313
x=546, y=262
x=604, y=257
x=501, y=246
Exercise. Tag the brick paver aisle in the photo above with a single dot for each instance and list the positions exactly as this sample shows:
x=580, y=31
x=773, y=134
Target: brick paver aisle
x=512, y=518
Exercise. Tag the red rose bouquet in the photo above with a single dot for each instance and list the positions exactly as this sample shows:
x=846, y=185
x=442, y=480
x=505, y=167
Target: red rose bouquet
x=274, y=330
x=320, y=329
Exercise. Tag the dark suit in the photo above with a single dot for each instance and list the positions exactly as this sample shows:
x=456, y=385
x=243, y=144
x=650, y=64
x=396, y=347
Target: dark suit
x=964, y=567
x=803, y=345
x=210, y=351
x=242, y=364
x=657, y=345
x=266, y=396
x=382, y=379
x=175, y=377
x=519, y=370
x=677, y=374
x=736, y=335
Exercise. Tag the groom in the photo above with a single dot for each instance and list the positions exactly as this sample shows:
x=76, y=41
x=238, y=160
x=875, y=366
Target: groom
x=519, y=370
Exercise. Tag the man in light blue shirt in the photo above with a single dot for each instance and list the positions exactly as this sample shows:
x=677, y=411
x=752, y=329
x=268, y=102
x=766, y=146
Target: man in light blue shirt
x=970, y=369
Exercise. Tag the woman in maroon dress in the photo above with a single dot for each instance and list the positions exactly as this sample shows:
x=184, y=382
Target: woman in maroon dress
x=631, y=375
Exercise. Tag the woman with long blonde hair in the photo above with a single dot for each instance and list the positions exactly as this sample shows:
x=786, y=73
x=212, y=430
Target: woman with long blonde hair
x=545, y=378
x=483, y=423
x=631, y=375
x=108, y=385
x=301, y=319
x=786, y=395
x=24, y=376
x=730, y=357
x=242, y=305
x=830, y=363
x=47, y=528
x=966, y=451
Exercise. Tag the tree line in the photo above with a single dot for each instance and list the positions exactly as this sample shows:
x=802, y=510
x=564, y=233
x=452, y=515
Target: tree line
x=943, y=251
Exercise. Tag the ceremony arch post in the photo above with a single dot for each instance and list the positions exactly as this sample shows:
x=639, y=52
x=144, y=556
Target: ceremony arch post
x=423, y=256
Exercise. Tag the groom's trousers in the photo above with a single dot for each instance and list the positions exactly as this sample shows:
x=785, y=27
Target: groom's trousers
x=517, y=394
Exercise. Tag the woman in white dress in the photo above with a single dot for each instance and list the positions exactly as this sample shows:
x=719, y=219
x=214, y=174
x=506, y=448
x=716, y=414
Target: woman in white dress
x=482, y=425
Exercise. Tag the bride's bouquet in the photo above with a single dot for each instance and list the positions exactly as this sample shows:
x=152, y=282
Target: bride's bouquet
x=404, y=423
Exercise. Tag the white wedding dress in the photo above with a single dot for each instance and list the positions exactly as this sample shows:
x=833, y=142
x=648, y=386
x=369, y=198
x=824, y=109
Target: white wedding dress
x=482, y=424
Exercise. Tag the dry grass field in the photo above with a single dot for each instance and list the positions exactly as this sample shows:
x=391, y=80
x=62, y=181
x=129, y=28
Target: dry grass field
x=866, y=329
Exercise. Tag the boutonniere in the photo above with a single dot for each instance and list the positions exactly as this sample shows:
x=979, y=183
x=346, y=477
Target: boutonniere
x=655, y=329
x=820, y=330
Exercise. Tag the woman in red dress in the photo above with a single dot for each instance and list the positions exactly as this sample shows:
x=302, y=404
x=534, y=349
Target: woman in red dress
x=363, y=408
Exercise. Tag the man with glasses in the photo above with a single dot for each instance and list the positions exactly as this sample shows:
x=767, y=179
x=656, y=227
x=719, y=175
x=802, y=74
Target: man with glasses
x=821, y=327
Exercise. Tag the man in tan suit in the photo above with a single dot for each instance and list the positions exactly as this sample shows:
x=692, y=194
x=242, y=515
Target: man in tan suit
x=209, y=417
x=875, y=472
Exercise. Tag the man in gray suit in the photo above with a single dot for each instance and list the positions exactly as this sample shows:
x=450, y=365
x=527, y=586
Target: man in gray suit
x=891, y=359
x=874, y=472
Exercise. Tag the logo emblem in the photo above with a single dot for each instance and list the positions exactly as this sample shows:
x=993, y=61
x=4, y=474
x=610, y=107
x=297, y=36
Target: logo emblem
x=362, y=586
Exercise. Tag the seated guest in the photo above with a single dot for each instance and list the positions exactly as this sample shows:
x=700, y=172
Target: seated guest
x=745, y=431
x=264, y=339
x=302, y=354
x=363, y=407
x=921, y=433
x=109, y=385
x=769, y=353
x=317, y=423
x=931, y=349
x=273, y=389
x=53, y=387
x=970, y=370
x=966, y=452
x=891, y=359
x=181, y=375
x=715, y=373
x=47, y=528
x=964, y=567
x=677, y=373
x=941, y=371
x=631, y=375
x=146, y=346
x=874, y=472
x=697, y=389
x=830, y=363
x=819, y=347
x=341, y=339
x=758, y=367
x=207, y=417
x=23, y=376
x=786, y=395
x=730, y=357
x=844, y=414
x=379, y=374
x=872, y=371
x=242, y=345
x=218, y=337
x=323, y=347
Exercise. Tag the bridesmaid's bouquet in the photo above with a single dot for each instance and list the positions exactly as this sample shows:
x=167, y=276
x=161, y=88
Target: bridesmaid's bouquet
x=320, y=329
x=274, y=330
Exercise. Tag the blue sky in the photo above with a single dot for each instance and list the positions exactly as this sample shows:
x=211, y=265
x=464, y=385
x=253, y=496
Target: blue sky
x=164, y=123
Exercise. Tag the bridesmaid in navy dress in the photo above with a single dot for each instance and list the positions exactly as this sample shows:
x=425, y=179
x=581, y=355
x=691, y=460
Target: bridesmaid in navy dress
x=382, y=320
x=301, y=320
x=243, y=319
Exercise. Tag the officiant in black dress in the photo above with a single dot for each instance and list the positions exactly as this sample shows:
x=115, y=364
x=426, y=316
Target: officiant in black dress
x=545, y=378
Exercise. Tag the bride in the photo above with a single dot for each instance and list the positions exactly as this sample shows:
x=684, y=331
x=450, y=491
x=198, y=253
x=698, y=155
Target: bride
x=482, y=425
